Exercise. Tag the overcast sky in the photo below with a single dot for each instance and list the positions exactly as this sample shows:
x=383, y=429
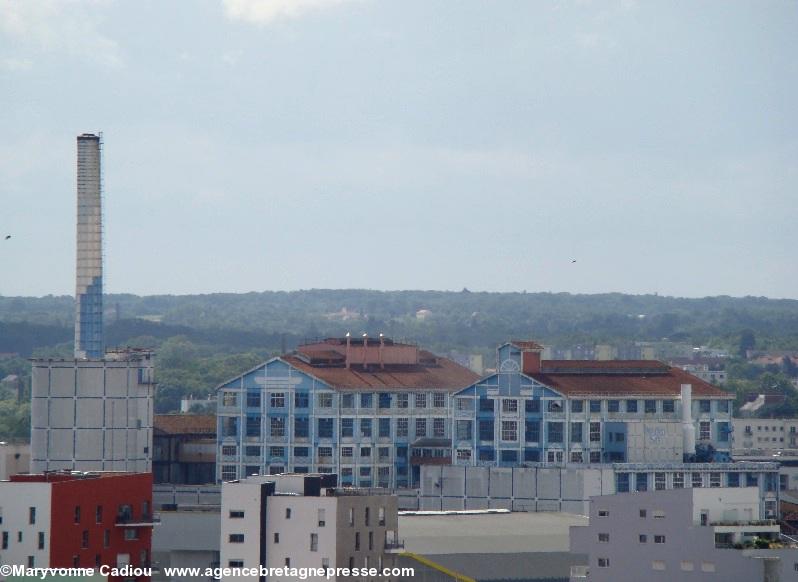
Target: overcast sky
x=292, y=144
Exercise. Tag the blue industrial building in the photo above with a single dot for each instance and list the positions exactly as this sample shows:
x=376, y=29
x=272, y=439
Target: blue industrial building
x=375, y=411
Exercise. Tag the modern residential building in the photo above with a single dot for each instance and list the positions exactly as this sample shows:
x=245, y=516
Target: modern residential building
x=89, y=272
x=586, y=411
x=184, y=449
x=304, y=521
x=369, y=410
x=93, y=414
x=569, y=487
x=682, y=534
x=71, y=519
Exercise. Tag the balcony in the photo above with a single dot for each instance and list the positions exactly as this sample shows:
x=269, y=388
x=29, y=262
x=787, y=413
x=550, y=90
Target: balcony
x=149, y=520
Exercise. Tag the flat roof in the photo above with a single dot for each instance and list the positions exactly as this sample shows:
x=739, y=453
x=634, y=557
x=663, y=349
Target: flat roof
x=491, y=533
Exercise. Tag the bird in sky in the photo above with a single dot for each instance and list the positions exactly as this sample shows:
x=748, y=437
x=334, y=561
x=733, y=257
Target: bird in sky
x=573, y=260
x=8, y=236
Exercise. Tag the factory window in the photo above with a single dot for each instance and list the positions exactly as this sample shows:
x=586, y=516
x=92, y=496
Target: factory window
x=357, y=541
x=465, y=404
x=510, y=405
x=367, y=517
x=324, y=452
x=696, y=480
x=714, y=479
x=276, y=537
x=301, y=451
x=325, y=426
x=253, y=399
x=463, y=428
x=595, y=432
x=733, y=479
x=421, y=400
x=347, y=400
x=347, y=427
x=704, y=406
x=365, y=427
x=532, y=406
x=401, y=427
x=277, y=400
x=668, y=406
x=421, y=427
x=622, y=482
x=301, y=400
x=532, y=431
x=509, y=430
x=603, y=562
x=346, y=451
x=485, y=404
x=277, y=426
x=324, y=400
x=463, y=454
x=595, y=456
x=577, y=405
x=439, y=400
x=346, y=475
x=251, y=451
x=603, y=512
x=229, y=472
x=554, y=456
x=384, y=453
x=235, y=563
x=604, y=538
x=576, y=432
x=401, y=401
x=642, y=538
x=595, y=406
x=367, y=400
x=723, y=432
x=384, y=427
x=486, y=430
x=643, y=513
x=631, y=406
x=531, y=455
x=277, y=451
x=678, y=480
x=659, y=481
x=365, y=452
x=650, y=406
x=301, y=427
x=659, y=539
x=322, y=519
x=642, y=481
x=229, y=399
x=486, y=454
x=555, y=432
x=723, y=407
x=577, y=457
x=302, y=469
x=236, y=514
x=509, y=456
x=704, y=430
x=613, y=405
x=253, y=426
x=555, y=406
x=384, y=400
x=438, y=427
x=236, y=538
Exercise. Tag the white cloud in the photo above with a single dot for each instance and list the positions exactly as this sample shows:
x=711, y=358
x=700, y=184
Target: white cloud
x=68, y=26
x=266, y=11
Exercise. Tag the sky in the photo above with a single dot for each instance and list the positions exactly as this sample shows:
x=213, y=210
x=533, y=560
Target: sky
x=255, y=145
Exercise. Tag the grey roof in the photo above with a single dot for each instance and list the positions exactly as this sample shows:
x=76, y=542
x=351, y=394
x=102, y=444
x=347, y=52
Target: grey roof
x=500, y=533
x=518, y=567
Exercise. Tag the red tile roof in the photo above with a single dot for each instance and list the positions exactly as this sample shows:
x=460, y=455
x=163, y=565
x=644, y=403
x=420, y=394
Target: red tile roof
x=622, y=378
x=440, y=373
x=185, y=423
x=527, y=344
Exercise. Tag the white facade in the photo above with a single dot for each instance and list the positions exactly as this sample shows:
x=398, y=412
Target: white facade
x=275, y=521
x=93, y=415
x=767, y=434
x=23, y=542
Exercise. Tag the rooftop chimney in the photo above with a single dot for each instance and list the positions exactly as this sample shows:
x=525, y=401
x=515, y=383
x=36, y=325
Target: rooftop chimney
x=530, y=357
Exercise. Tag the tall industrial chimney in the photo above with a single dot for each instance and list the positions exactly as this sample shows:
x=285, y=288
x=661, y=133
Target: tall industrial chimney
x=89, y=266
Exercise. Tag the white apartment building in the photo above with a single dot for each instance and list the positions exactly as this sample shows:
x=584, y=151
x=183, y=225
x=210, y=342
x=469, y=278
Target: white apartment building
x=304, y=521
x=682, y=534
x=765, y=434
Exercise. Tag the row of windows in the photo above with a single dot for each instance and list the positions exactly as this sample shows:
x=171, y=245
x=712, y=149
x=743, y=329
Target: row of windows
x=325, y=427
x=5, y=539
x=279, y=400
x=626, y=482
x=322, y=519
x=659, y=565
x=509, y=431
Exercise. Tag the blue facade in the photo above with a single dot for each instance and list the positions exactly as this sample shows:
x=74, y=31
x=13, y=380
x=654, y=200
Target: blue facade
x=89, y=316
